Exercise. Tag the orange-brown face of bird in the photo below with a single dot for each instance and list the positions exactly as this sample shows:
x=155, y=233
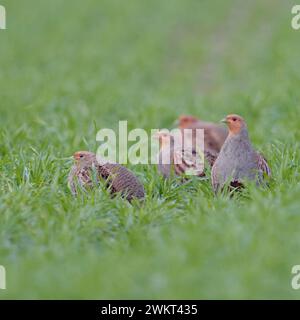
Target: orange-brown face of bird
x=185, y=121
x=235, y=123
x=82, y=157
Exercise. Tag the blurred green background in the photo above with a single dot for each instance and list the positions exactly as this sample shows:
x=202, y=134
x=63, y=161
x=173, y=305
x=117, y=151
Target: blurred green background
x=69, y=68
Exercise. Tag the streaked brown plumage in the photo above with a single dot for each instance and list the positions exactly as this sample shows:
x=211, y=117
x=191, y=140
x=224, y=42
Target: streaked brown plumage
x=184, y=161
x=87, y=171
x=238, y=161
x=214, y=134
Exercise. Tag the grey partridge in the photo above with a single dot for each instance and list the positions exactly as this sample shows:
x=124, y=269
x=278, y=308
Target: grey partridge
x=238, y=161
x=87, y=171
x=182, y=160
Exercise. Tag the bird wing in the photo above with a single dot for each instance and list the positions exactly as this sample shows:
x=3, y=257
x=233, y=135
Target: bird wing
x=210, y=157
x=188, y=162
x=214, y=177
x=263, y=164
x=214, y=135
x=120, y=179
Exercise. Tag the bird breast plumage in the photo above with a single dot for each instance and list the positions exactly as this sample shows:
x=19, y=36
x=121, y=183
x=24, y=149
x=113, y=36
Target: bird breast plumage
x=238, y=161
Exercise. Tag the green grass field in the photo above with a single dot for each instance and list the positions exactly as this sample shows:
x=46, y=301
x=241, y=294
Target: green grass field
x=69, y=68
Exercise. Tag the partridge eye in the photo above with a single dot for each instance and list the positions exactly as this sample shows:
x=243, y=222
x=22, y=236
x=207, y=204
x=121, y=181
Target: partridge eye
x=234, y=119
x=81, y=156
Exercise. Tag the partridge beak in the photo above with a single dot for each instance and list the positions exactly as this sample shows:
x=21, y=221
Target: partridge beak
x=224, y=120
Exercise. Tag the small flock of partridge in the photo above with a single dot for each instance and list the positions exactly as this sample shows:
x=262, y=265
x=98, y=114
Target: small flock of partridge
x=228, y=152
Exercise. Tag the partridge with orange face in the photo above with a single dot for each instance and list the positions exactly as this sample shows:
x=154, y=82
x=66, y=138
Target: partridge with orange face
x=87, y=171
x=214, y=134
x=182, y=160
x=238, y=161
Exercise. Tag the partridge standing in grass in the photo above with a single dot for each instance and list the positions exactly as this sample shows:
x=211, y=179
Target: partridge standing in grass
x=87, y=171
x=238, y=161
x=214, y=134
x=184, y=161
